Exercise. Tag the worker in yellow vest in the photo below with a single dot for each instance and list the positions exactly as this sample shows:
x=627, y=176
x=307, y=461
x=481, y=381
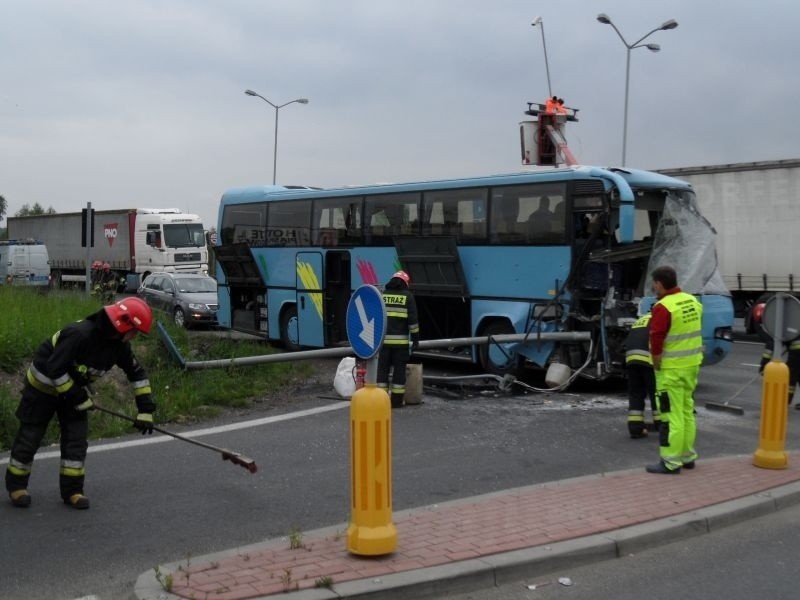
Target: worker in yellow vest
x=676, y=347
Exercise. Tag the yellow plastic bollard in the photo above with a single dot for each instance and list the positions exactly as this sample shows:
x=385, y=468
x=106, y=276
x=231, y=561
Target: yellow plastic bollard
x=371, y=531
x=774, y=414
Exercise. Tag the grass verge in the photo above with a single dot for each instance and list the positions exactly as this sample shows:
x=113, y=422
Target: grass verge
x=181, y=396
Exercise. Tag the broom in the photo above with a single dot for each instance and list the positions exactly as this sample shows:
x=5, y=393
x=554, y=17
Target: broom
x=726, y=406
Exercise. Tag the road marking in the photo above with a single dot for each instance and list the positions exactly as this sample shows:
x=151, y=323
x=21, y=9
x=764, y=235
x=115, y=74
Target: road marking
x=157, y=439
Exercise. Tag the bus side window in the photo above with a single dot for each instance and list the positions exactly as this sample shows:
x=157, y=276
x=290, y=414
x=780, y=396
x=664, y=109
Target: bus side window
x=328, y=237
x=505, y=228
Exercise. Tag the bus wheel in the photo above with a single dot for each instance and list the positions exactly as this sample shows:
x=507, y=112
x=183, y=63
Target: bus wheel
x=290, y=334
x=497, y=358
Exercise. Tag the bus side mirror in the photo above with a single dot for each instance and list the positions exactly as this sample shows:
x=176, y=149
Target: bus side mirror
x=626, y=221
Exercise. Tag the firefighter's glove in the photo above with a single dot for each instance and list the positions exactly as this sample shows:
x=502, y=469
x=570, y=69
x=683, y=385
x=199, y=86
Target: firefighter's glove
x=78, y=397
x=414, y=343
x=85, y=405
x=144, y=423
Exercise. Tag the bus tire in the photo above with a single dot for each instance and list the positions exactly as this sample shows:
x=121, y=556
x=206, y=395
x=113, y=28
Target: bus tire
x=289, y=332
x=492, y=357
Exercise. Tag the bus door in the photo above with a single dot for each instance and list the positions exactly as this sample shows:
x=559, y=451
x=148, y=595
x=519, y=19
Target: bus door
x=439, y=286
x=310, y=282
x=242, y=295
x=337, y=295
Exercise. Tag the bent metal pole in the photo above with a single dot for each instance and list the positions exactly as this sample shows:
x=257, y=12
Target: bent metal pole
x=506, y=338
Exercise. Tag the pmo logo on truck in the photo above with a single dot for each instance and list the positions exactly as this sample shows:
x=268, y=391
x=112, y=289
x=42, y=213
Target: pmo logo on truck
x=110, y=232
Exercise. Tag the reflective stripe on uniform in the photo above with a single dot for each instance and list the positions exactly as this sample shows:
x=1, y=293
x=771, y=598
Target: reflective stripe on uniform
x=678, y=353
x=395, y=340
x=680, y=336
x=48, y=385
x=72, y=468
x=642, y=356
x=16, y=467
x=141, y=387
x=636, y=416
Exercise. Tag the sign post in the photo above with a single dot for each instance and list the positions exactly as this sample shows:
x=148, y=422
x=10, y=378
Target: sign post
x=371, y=531
x=87, y=240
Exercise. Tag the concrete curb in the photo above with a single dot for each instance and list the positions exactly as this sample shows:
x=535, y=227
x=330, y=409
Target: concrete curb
x=532, y=562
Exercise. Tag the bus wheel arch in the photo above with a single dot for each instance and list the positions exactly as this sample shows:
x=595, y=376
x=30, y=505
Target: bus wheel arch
x=290, y=334
x=494, y=358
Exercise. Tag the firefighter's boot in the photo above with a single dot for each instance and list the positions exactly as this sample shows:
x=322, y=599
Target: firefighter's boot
x=78, y=501
x=20, y=498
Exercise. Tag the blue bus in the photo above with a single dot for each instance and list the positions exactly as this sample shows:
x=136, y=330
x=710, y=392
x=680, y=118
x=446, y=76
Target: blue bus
x=546, y=250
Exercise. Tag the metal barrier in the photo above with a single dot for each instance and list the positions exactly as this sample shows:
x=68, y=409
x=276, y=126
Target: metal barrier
x=561, y=336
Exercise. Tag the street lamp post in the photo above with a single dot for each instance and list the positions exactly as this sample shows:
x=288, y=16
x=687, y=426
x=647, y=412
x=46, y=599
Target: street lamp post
x=538, y=21
x=671, y=24
x=277, y=107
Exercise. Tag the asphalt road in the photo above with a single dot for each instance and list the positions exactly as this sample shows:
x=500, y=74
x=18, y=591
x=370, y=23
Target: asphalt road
x=752, y=559
x=161, y=502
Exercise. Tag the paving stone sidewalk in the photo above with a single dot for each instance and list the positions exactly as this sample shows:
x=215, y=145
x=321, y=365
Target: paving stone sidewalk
x=465, y=538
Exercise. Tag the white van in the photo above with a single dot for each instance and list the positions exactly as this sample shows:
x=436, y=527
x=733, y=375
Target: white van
x=24, y=262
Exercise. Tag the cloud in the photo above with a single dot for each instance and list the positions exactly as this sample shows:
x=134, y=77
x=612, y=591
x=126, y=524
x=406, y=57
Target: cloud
x=142, y=104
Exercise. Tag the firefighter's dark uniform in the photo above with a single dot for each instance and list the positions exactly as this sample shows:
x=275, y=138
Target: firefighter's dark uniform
x=401, y=324
x=62, y=365
x=792, y=361
x=641, y=377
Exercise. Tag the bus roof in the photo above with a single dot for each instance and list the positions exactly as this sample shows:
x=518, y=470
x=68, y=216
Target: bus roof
x=634, y=177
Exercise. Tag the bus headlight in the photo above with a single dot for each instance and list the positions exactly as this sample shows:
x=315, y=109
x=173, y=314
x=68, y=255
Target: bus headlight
x=723, y=333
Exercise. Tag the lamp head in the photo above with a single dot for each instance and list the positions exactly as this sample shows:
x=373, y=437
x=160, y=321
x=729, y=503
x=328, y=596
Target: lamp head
x=671, y=24
x=302, y=100
x=250, y=93
x=536, y=21
x=653, y=47
x=605, y=20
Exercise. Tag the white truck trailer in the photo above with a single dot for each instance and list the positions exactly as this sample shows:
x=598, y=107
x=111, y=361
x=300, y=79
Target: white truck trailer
x=133, y=241
x=755, y=208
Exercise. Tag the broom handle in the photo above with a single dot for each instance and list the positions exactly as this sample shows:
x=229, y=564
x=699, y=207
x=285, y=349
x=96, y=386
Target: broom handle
x=234, y=457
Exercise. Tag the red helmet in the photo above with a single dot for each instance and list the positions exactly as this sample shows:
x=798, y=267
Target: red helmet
x=106, y=267
x=130, y=313
x=97, y=265
x=404, y=276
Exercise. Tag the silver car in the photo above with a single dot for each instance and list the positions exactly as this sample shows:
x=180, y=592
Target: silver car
x=190, y=299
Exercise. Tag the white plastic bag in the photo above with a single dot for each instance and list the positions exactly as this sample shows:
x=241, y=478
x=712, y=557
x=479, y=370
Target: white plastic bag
x=344, y=382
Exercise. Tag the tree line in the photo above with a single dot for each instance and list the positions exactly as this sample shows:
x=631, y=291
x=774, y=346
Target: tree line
x=26, y=211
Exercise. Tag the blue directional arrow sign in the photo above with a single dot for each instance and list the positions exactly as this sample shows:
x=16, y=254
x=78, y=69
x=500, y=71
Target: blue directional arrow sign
x=366, y=321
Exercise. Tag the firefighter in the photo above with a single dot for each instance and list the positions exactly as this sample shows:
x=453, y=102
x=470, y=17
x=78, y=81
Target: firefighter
x=401, y=324
x=676, y=347
x=56, y=381
x=641, y=379
x=792, y=361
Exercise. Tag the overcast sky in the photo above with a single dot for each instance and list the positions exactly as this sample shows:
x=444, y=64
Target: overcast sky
x=140, y=103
